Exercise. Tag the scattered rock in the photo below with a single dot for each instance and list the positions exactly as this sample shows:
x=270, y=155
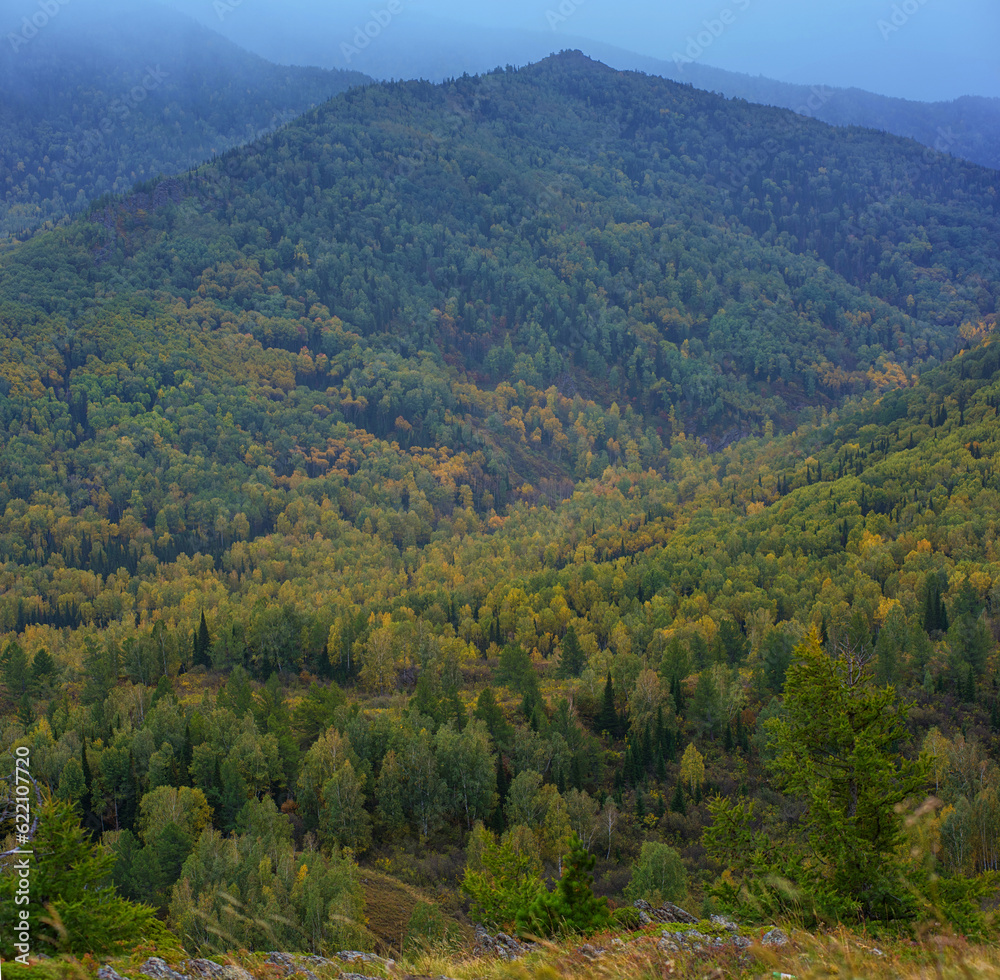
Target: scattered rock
x=776, y=937
x=281, y=959
x=666, y=913
x=644, y=920
x=722, y=922
x=207, y=969
x=591, y=952
x=157, y=969
x=354, y=976
x=109, y=973
x=210, y=970
x=691, y=940
x=501, y=945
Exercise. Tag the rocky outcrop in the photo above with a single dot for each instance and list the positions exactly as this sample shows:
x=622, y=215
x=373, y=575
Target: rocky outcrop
x=666, y=913
x=501, y=945
x=693, y=941
x=109, y=973
x=157, y=969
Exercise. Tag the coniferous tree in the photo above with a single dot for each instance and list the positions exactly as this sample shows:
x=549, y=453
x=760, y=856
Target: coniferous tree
x=572, y=907
x=838, y=751
x=572, y=658
x=72, y=907
x=677, y=801
x=85, y=801
x=203, y=643
x=607, y=718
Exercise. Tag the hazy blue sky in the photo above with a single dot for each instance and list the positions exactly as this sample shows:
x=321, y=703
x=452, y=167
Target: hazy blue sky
x=919, y=49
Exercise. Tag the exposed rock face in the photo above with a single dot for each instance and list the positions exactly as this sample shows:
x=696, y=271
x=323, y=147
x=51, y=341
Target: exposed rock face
x=109, y=973
x=209, y=970
x=282, y=960
x=300, y=964
x=776, y=937
x=692, y=941
x=157, y=969
x=348, y=957
x=667, y=913
x=721, y=922
x=501, y=945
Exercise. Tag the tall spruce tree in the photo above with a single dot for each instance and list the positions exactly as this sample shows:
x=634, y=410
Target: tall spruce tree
x=607, y=718
x=838, y=752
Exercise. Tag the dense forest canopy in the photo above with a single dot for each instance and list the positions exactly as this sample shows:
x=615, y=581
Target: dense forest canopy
x=481, y=459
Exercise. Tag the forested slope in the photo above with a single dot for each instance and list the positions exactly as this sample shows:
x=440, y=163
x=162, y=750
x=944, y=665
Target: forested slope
x=383, y=478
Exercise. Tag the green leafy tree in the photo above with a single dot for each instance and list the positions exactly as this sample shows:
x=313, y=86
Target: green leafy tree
x=838, y=751
x=658, y=876
x=501, y=878
x=466, y=762
x=344, y=819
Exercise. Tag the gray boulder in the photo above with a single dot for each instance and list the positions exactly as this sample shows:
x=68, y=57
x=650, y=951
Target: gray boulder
x=109, y=973
x=668, y=912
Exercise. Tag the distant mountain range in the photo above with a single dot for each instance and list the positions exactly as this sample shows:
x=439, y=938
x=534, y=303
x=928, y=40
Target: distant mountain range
x=92, y=104
x=411, y=45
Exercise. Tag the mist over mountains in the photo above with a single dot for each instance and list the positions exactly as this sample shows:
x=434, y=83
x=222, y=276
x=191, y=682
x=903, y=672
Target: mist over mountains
x=100, y=99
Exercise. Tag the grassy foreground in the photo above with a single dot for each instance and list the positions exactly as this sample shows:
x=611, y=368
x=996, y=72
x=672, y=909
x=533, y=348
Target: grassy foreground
x=612, y=957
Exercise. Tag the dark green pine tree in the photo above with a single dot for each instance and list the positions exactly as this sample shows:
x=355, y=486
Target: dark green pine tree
x=572, y=659
x=456, y=710
x=607, y=718
x=677, y=801
x=646, y=749
x=203, y=643
x=85, y=802
x=742, y=739
x=935, y=611
x=25, y=711
x=640, y=805
x=727, y=738
x=572, y=907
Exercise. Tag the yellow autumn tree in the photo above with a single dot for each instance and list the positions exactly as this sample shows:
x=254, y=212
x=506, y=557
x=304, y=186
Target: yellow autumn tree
x=692, y=767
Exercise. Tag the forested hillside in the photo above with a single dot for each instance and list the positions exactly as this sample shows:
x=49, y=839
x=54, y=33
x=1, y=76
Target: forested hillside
x=535, y=455
x=96, y=103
